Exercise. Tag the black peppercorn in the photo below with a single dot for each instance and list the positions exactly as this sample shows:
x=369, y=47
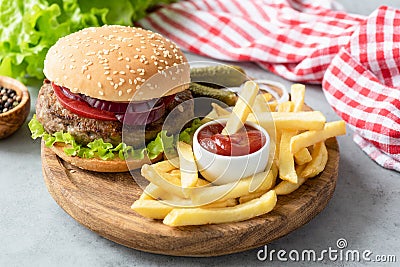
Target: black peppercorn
x=8, y=99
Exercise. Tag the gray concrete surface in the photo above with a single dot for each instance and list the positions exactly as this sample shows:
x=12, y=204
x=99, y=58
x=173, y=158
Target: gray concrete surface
x=35, y=231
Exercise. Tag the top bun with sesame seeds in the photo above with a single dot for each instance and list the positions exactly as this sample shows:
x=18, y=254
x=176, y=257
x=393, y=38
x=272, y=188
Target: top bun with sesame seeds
x=115, y=63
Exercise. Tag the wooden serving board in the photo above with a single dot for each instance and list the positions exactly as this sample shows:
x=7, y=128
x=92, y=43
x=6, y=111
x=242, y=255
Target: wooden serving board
x=101, y=202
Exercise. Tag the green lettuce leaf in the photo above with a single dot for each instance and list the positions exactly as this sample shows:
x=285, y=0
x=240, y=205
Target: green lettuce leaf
x=106, y=151
x=187, y=134
x=30, y=27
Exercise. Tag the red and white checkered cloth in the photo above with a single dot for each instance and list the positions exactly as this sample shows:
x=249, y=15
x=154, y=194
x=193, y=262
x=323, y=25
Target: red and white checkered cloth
x=356, y=58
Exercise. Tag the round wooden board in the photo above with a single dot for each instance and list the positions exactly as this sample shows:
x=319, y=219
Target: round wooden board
x=101, y=202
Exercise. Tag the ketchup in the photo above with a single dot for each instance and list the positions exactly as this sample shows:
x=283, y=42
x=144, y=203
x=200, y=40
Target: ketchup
x=246, y=141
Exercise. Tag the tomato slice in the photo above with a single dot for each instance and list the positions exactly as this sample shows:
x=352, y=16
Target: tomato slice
x=82, y=108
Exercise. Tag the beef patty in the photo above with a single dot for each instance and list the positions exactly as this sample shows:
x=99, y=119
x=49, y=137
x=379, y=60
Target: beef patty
x=55, y=118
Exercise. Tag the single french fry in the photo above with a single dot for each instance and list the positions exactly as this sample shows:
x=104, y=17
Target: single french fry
x=285, y=106
x=151, y=208
x=258, y=193
x=145, y=196
x=220, y=111
x=303, y=156
x=176, y=173
x=297, y=92
x=310, y=138
x=241, y=212
x=156, y=192
x=285, y=187
x=212, y=115
x=164, y=166
x=267, y=96
x=205, y=195
x=242, y=108
x=318, y=162
x=202, y=182
x=251, y=196
x=230, y=202
x=273, y=105
x=187, y=165
x=303, y=121
x=287, y=171
x=162, y=179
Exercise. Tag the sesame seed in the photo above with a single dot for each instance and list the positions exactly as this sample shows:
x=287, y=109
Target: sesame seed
x=138, y=49
x=143, y=80
x=88, y=76
x=120, y=58
x=115, y=86
x=120, y=93
x=106, y=72
x=127, y=59
x=99, y=84
x=122, y=72
x=155, y=63
x=115, y=72
x=109, y=78
x=132, y=71
x=136, y=56
x=129, y=90
x=130, y=81
x=101, y=93
x=122, y=80
x=137, y=87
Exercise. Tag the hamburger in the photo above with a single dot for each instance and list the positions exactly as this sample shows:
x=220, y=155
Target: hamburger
x=106, y=95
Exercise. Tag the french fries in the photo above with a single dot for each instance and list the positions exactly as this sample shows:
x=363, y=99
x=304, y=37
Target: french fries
x=177, y=194
x=151, y=208
x=242, y=108
x=297, y=92
x=318, y=162
x=187, y=165
x=161, y=179
x=310, y=138
x=303, y=156
x=287, y=170
x=286, y=187
x=199, y=216
x=206, y=195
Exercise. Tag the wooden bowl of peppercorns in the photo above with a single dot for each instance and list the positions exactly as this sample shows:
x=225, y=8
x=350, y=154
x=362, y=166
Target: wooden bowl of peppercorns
x=14, y=105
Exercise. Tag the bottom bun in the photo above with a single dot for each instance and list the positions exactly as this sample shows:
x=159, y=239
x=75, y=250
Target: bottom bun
x=99, y=165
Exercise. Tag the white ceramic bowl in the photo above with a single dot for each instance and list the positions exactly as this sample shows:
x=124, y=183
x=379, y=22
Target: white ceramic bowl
x=220, y=169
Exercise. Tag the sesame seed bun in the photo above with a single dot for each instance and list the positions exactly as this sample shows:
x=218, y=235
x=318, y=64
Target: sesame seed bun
x=115, y=63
